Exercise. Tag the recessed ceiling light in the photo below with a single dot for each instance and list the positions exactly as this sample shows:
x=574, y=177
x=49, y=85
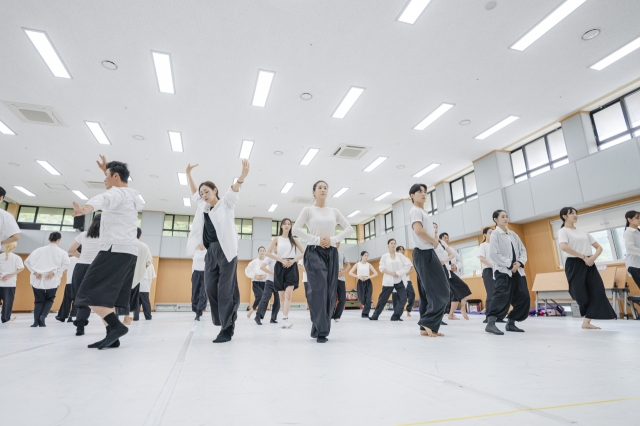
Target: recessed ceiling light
x=45, y=48
x=500, y=125
x=437, y=113
x=25, y=191
x=130, y=179
x=245, y=151
x=618, y=54
x=306, y=96
x=273, y=207
x=98, y=133
x=263, y=85
x=162, y=62
x=186, y=202
x=380, y=197
x=48, y=167
x=153, y=176
x=340, y=192
x=352, y=214
x=277, y=153
x=79, y=194
x=550, y=21
x=287, y=187
x=591, y=34
x=176, y=141
x=182, y=179
x=426, y=169
x=375, y=163
x=142, y=198
x=413, y=10
x=110, y=65
x=465, y=122
x=309, y=156
x=347, y=102
x=138, y=137
x=5, y=130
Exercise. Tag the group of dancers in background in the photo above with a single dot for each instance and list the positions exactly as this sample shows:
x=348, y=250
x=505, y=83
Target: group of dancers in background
x=113, y=268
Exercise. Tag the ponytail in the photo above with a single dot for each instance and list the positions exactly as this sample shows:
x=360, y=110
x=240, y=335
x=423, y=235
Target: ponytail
x=564, y=212
x=484, y=233
x=629, y=215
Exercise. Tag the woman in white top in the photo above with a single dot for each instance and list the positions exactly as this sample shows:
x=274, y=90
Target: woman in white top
x=145, y=289
x=487, y=268
x=10, y=266
x=321, y=257
x=585, y=283
x=364, y=271
x=408, y=285
x=67, y=299
x=286, y=277
x=460, y=291
x=47, y=264
x=393, y=266
x=257, y=277
x=267, y=267
x=632, y=244
x=214, y=226
x=198, y=293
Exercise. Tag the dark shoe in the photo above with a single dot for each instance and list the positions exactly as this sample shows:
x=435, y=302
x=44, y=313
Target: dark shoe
x=42, y=323
x=485, y=321
x=323, y=339
x=399, y=319
x=35, y=324
x=198, y=315
x=491, y=327
x=257, y=320
x=80, y=328
x=116, y=330
x=136, y=319
x=365, y=316
x=95, y=345
x=150, y=318
x=273, y=322
x=501, y=321
x=224, y=336
x=60, y=319
x=373, y=319
x=511, y=326
x=69, y=319
x=443, y=323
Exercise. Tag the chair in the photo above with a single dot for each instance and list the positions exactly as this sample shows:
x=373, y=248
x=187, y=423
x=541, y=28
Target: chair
x=632, y=301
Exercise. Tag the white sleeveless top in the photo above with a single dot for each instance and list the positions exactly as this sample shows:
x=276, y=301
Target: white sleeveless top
x=363, y=270
x=285, y=250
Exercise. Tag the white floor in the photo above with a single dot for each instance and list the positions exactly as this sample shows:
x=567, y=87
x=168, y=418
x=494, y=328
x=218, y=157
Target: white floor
x=167, y=372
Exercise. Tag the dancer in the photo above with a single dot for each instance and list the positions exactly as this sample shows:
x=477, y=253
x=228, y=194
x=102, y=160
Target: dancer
x=487, y=269
x=286, y=278
x=47, y=264
x=198, y=292
x=321, y=257
x=342, y=288
x=142, y=263
x=459, y=289
x=431, y=277
x=364, y=272
x=145, y=289
x=257, y=277
x=632, y=244
x=107, y=283
x=508, y=256
x=67, y=299
x=393, y=266
x=9, y=229
x=268, y=267
x=10, y=266
x=214, y=226
x=406, y=279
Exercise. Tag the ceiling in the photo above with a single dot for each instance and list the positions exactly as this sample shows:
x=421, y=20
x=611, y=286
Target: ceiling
x=457, y=52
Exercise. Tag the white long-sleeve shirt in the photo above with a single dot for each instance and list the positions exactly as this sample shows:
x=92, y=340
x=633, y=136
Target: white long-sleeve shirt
x=72, y=264
x=321, y=223
x=253, y=269
x=198, y=260
x=443, y=254
x=269, y=264
x=8, y=265
x=400, y=265
x=632, y=245
x=142, y=262
x=501, y=249
x=44, y=260
x=8, y=225
x=145, y=282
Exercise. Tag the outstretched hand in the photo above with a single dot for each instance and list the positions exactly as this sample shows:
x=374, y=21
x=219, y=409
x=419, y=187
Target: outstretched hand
x=190, y=167
x=77, y=210
x=102, y=163
x=245, y=169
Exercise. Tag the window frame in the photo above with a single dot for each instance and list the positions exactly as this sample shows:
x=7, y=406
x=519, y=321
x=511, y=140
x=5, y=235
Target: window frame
x=432, y=197
x=4, y=205
x=61, y=226
x=550, y=163
x=173, y=221
x=369, y=225
x=388, y=228
x=625, y=113
x=466, y=197
x=242, y=234
x=466, y=245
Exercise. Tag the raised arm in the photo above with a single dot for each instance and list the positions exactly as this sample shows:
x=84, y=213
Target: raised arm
x=192, y=183
x=245, y=171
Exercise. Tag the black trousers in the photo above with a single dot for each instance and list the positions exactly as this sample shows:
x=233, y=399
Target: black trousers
x=489, y=286
x=459, y=288
x=411, y=297
x=8, y=295
x=635, y=274
x=67, y=302
x=365, y=293
x=435, y=288
x=79, y=272
x=221, y=284
x=146, y=306
x=198, y=292
x=422, y=299
x=269, y=290
x=384, y=298
x=322, y=275
x=587, y=289
x=510, y=290
x=341, y=294
x=134, y=301
x=258, y=289
x=43, y=302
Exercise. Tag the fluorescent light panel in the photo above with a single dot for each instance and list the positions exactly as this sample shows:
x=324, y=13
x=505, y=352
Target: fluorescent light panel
x=98, y=133
x=354, y=213
x=550, y=21
x=386, y=194
x=273, y=207
x=375, y=163
x=413, y=10
x=130, y=180
x=186, y=202
x=5, y=130
x=437, y=113
x=309, y=156
x=339, y=193
x=500, y=125
x=45, y=48
x=162, y=62
x=182, y=179
x=245, y=151
x=618, y=54
x=48, y=167
x=347, y=102
x=263, y=85
x=142, y=198
x=25, y=191
x=79, y=194
x=176, y=141
x=426, y=169
x=287, y=187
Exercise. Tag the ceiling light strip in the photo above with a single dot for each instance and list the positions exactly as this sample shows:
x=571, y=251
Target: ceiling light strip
x=618, y=54
x=287, y=187
x=504, y=123
x=263, y=86
x=412, y=11
x=309, y=156
x=375, y=163
x=5, y=130
x=25, y=191
x=352, y=214
x=427, y=169
x=48, y=52
x=347, y=102
x=340, y=192
x=79, y=194
x=176, y=141
x=380, y=197
x=273, y=207
x=182, y=179
x=98, y=133
x=245, y=150
x=48, y=167
x=186, y=202
x=164, y=72
x=437, y=113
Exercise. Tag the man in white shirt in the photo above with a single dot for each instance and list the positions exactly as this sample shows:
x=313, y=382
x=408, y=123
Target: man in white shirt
x=108, y=280
x=10, y=266
x=9, y=230
x=142, y=263
x=47, y=264
x=342, y=288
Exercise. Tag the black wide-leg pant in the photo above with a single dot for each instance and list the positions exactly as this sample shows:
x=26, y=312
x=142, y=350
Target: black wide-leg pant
x=489, y=286
x=134, y=300
x=365, y=293
x=43, y=301
x=587, y=289
x=384, y=298
x=269, y=290
x=434, y=296
x=8, y=295
x=80, y=313
x=459, y=289
x=146, y=306
x=321, y=265
x=221, y=283
x=411, y=297
x=341, y=294
x=510, y=290
x=198, y=292
x=67, y=302
x=258, y=288
x=635, y=274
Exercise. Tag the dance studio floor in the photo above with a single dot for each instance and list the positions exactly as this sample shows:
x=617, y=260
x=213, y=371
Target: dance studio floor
x=167, y=372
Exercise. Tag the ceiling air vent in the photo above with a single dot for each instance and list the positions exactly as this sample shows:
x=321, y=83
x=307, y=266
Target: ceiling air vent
x=302, y=200
x=351, y=152
x=35, y=114
x=94, y=185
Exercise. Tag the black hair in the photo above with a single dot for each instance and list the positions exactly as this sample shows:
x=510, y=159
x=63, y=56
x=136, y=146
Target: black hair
x=211, y=186
x=94, y=228
x=2, y=192
x=79, y=249
x=139, y=233
x=399, y=248
x=443, y=234
x=261, y=247
x=291, y=239
x=629, y=215
x=496, y=214
x=120, y=168
x=362, y=253
x=484, y=233
x=316, y=184
x=55, y=236
x=415, y=188
x=564, y=212
x=390, y=239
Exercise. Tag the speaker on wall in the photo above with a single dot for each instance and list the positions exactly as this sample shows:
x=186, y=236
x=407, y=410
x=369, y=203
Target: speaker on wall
x=78, y=223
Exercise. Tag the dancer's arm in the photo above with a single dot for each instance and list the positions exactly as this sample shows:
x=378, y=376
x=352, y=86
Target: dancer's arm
x=192, y=183
x=245, y=171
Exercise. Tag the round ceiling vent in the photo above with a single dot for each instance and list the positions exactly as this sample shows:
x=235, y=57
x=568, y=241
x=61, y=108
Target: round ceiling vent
x=591, y=34
x=111, y=66
x=400, y=167
x=138, y=137
x=491, y=5
x=306, y=96
x=465, y=122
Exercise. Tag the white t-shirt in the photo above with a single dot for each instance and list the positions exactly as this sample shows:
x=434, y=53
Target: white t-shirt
x=321, y=223
x=483, y=251
x=90, y=248
x=8, y=225
x=269, y=264
x=72, y=264
x=198, y=260
x=442, y=253
x=632, y=245
x=417, y=214
x=44, y=260
x=8, y=265
x=363, y=270
x=147, y=279
x=578, y=240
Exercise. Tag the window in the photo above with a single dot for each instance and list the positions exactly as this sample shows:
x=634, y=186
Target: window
x=353, y=239
x=617, y=121
x=369, y=230
x=539, y=156
x=431, y=206
x=388, y=222
x=49, y=218
x=4, y=205
x=275, y=227
x=139, y=219
x=469, y=253
x=244, y=228
x=464, y=189
x=176, y=225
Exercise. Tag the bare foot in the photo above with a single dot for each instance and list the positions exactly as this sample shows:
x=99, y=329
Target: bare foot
x=127, y=320
x=590, y=327
x=13, y=318
x=439, y=334
x=465, y=316
x=427, y=332
x=453, y=317
x=250, y=313
x=408, y=314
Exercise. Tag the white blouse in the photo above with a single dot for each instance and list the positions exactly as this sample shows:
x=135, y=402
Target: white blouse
x=400, y=265
x=483, y=251
x=8, y=225
x=577, y=239
x=269, y=264
x=44, y=260
x=253, y=269
x=417, y=214
x=8, y=265
x=90, y=247
x=72, y=264
x=321, y=223
x=632, y=245
x=142, y=262
x=147, y=280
